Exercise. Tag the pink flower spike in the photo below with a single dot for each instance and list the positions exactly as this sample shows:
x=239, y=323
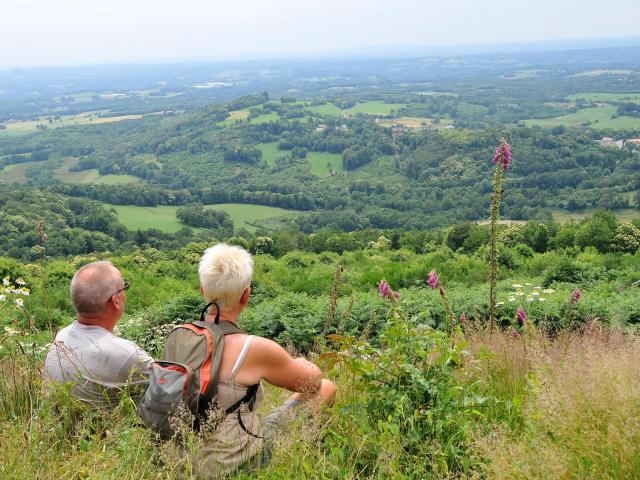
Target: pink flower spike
x=516, y=334
x=397, y=295
x=522, y=315
x=463, y=318
x=433, y=279
x=384, y=288
x=577, y=294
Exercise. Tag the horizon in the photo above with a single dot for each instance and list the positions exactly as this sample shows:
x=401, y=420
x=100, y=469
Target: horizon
x=374, y=52
x=73, y=32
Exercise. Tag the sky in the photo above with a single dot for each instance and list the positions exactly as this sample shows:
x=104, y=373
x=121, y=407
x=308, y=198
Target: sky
x=61, y=32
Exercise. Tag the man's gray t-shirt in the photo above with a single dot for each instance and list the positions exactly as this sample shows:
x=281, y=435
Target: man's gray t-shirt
x=99, y=363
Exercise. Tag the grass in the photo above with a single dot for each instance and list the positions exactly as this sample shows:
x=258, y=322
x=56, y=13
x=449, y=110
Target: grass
x=164, y=217
x=600, y=117
x=235, y=116
x=324, y=163
x=24, y=127
x=270, y=152
x=623, y=215
x=416, y=122
x=117, y=179
x=604, y=96
x=328, y=109
x=375, y=108
x=265, y=118
x=16, y=172
x=603, y=71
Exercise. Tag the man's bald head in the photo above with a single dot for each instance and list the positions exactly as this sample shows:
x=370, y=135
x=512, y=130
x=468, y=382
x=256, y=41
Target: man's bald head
x=93, y=285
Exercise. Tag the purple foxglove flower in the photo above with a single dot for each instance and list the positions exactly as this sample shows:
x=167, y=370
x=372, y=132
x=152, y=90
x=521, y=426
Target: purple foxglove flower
x=522, y=315
x=577, y=294
x=433, y=279
x=384, y=288
x=463, y=318
x=397, y=295
x=505, y=150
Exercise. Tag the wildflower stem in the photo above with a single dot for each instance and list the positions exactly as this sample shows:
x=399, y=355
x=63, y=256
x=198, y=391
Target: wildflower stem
x=493, y=247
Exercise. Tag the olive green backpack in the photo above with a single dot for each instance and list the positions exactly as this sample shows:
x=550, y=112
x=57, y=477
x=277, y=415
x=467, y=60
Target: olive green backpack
x=188, y=374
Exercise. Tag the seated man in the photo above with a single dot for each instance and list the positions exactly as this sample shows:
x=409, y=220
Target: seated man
x=225, y=278
x=87, y=353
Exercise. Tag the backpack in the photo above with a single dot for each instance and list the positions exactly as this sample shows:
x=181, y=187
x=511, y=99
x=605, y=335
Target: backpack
x=188, y=374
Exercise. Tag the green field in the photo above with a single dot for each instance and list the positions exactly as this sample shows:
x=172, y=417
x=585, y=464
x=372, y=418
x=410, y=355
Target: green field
x=117, y=179
x=600, y=117
x=270, y=152
x=24, y=127
x=15, y=173
x=623, y=215
x=605, y=97
x=375, y=108
x=267, y=117
x=164, y=217
x=235, y=116
x=328, y=109
x=323, y=163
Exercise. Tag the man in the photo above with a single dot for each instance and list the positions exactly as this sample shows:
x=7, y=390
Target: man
x=87, y=353
x=225, y=277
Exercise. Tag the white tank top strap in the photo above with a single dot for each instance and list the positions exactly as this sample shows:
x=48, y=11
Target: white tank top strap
x=241, y=357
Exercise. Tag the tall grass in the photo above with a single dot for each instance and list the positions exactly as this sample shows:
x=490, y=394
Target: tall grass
x=580, y=414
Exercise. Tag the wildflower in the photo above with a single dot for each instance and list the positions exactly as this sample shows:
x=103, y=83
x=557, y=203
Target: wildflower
x=537, y=288
x=516, y=286
x=384, y=288
x=24, y=291
x=516, y=334
x=576, y=295
x=529, y=298
x=3, y=298
x=512, y=299
x=519, y=294
x=503, y=150
x=463, y=318
x=433, y=279
x=20, y=281
x=528, y=284
x=548, y=290
x=40, y=229
x=19, y=303
x=542, y=299
x=522, y=315
x=6, y=282
x=10, y=331
x=535, y=294
x=499, y=303
x=397, y=295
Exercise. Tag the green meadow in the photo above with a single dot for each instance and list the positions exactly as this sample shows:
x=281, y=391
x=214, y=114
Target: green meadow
x=265, y=118
x=15, y=173
x=24, y=127
x=164, y=217
x=605, y=97
x=375, y=108
x=323, y=163
x=600, y=117
x=328, y=109
x=270, y=152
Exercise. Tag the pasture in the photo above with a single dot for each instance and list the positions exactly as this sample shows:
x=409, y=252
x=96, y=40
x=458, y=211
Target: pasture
x=90, y=176
x=328, y=110
x=324, y=163
x=605, y=96
x=375, y=108
x=16, y=172
x=235, y=116
x=600, y=117
x=270, y=152
x=164, y=217
x=416, y=122
x=265, y=118
x=23, y=127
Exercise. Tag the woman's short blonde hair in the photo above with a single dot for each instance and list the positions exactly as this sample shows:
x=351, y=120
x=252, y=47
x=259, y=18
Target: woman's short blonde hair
x=225, y=273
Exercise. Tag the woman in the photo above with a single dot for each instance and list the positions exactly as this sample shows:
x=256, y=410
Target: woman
x=225, y=282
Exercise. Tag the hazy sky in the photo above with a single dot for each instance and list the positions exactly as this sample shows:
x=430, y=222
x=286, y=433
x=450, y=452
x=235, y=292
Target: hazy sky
x=93, y=31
